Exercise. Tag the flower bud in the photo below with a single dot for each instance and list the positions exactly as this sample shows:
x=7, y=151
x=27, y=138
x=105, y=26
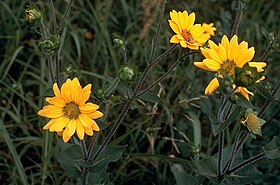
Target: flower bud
x=33, y=15
x=49, y=45
x=246, y=76
x=99, y=93
x=128, y=73
x=252, y=122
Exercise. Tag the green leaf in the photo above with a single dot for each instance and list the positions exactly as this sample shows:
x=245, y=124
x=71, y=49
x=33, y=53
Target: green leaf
x=150, y=97
x=243, y=102
x=263, y=91
x=207, y=168
x=182, y=178
x=109, y=154
x=218, y=128
x=272, y=150
x=124, y=89
x=244, y=176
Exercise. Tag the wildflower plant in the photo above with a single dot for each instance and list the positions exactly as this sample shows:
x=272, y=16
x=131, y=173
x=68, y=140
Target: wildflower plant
x=79, y=123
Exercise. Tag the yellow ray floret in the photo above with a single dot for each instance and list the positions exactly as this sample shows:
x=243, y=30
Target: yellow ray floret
x=69, y=111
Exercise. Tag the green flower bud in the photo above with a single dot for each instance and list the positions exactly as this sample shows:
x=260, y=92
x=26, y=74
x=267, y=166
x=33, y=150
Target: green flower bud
x=128, y=73
x=246, y=76
x=33, y=15
x=99, y=93
x=119, y=43
x=49, y=45
x=234, y=98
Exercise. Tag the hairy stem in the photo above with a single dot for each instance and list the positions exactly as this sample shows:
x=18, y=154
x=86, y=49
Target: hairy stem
x=220, y=155
x=237, y=18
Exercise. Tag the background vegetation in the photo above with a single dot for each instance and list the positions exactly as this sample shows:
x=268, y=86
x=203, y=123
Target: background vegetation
x=153, y=132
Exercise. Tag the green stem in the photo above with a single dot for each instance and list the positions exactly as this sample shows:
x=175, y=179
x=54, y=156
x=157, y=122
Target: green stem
x=220, y=155
x=269, y=48
x=237, y=18
x=54, y=17
x=246, y=163
x=62, y=22
x=85, y=170
x=164, y=75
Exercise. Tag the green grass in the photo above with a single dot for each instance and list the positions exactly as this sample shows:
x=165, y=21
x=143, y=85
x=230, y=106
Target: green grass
x=28, y=155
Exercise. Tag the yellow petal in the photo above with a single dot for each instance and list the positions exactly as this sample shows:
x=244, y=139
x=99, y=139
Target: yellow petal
x=80, y=130
x=65, y=136
x=60, y=124
x=183, y=43
x=85, y=95
x=258, y=65
x=245, y=57
x=88, y=131
x=175, y=27
x=174, y=17
x=95, y=115
x=51, y=111
x=232, y=48
x=174, y=39
x=71, y=127
x=56, y=101
x=76, y=90
x=85, y=120
x=50, y=123
x=66, y=91
x=88, y=107
x=201, y=65
x=222, y=52
x=56, y=89
x=191, y=20
x=212, y=86
x=225, y=42
x=183, y=18
x=212, y=45
x=212, y=64
x=95, y=126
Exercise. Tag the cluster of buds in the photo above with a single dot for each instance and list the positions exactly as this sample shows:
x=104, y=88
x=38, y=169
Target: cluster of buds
x=246, y=76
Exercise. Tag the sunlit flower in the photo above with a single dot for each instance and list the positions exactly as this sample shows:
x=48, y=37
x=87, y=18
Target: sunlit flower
x=69, y=111
x=188, y=34
x=224, y=58
x=209, y=29
x=252, y=122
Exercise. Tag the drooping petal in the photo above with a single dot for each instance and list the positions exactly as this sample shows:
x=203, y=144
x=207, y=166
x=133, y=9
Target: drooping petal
x=65, y=136
x=212, y=86
x=201, y=65
x=94, y=126
x=183, y=43
x=71, y=127
x=258, y=65
x=88, y=131
x=50, y=123
x=60, y=124
x=80, y=130
x=85, y=120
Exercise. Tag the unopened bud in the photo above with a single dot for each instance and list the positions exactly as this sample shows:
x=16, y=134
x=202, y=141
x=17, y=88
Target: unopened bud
x=128, y=73
x=246, y=76
x=33, y=15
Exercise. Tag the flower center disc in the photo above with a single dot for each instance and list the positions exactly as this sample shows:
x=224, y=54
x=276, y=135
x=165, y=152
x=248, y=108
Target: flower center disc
x=227, y=68
x=188, y=36
x=71, y=110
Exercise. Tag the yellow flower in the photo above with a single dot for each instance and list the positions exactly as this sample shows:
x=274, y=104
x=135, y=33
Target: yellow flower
x=252, y=122
x=188, y=34
x=69, y=111
x=223, y=59
x=209, y=29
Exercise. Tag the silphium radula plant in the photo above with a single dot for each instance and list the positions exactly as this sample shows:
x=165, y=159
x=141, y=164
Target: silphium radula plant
x=231, y=61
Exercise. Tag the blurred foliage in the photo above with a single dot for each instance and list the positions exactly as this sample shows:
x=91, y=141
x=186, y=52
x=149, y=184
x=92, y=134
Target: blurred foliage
x=157, y=134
